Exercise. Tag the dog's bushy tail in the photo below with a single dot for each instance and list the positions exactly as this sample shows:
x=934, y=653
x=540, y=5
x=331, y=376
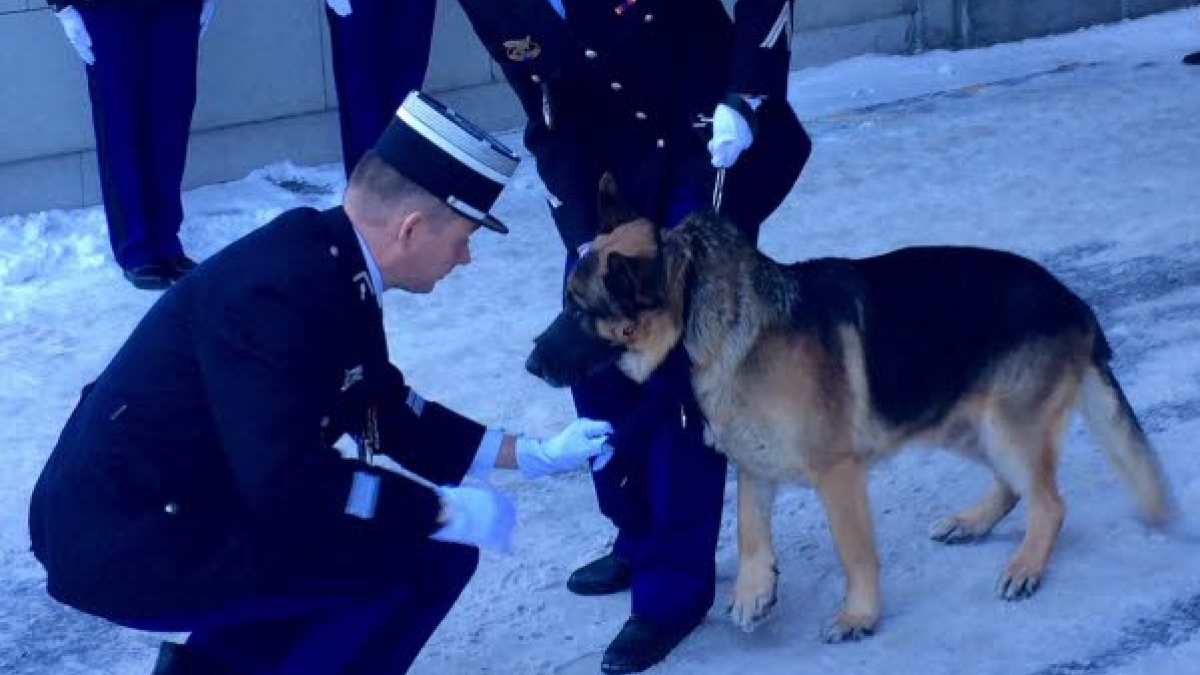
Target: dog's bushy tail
x=1114, y=425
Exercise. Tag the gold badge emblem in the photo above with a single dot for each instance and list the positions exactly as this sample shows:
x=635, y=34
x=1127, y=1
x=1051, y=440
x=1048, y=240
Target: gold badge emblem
x=523, y=49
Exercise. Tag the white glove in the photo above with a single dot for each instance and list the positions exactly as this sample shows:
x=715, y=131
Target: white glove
x=477, y=516
x=339, y=7
x=601, y=460
x=77, y=33
x=206, y=14
x=731, y=135
x=580, y=441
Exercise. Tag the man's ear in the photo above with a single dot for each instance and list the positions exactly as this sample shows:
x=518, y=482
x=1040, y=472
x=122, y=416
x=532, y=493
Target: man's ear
x=613, y=210
x=406, y=225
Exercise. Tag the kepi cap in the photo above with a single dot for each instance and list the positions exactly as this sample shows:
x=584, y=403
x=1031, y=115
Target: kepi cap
x=449, y=156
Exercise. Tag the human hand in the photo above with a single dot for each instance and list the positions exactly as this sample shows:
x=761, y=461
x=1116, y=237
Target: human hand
x=340, y=7
x=578, y=442
x=477, y=516
x=731, y=134
x=77, y=33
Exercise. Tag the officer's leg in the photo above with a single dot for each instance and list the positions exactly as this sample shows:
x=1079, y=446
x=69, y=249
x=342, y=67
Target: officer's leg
x=675, y=574
x=117, y=86
x=362, y=49
x=610, y=395
x=396, y=641
x=350, y=626
x=675, y=580
x=175, y=42
x=411, y=33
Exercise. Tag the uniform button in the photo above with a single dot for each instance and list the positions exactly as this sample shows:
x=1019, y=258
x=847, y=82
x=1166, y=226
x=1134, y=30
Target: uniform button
x=660, y=143
x=648, y=18
x=171, y=507
x=324, y=422
x=535, y=77
x=640, y=115
x=333, y=251
x=590, y=53
x=616, y=86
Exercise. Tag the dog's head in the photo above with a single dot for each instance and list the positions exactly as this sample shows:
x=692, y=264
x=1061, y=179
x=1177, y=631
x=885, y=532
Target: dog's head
x=622, y=304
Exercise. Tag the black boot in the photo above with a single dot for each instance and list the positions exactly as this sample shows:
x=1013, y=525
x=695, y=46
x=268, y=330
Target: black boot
x=149, y=277
x=641, y=644
x=1192, y=59
x=602, y=576
x=177, y=659
x=180, y=267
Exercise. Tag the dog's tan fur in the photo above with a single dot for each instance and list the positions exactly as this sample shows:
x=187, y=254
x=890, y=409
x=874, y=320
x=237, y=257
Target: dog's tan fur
x=791, y=404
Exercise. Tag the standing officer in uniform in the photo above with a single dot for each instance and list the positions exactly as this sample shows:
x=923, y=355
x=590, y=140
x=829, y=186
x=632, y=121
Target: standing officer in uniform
x=627, y=87
x=380, y=51
x=196, y=487
x=141, y=62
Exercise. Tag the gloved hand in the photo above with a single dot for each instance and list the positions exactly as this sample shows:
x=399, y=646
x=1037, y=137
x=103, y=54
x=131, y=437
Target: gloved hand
x=580, y=441
x=601, y=460
x=206, y=14
x=77, y=33
x=477, y=516
x=731, y=134
x=339, y=7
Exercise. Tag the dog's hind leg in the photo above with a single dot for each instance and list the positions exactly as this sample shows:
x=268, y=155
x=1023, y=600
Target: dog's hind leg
x=842, y=487
x=976, y=522
x=1023, y=440
x=757, y=576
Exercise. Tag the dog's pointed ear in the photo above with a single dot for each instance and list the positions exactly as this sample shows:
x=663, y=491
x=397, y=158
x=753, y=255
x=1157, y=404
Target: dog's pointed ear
x=633, y=282
x=612, y=209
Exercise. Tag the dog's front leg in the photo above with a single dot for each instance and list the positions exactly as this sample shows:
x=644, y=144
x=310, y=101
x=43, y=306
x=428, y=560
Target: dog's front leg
x=842, y=487
x=754, y=592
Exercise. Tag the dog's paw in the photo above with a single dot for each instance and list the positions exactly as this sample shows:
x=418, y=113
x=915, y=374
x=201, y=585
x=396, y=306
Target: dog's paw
x=753, y=598
x=953, y=530
x=1019, y=581
x=848, y=627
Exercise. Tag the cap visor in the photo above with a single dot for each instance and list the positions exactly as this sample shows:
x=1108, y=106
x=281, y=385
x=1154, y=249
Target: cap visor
x=487, y=220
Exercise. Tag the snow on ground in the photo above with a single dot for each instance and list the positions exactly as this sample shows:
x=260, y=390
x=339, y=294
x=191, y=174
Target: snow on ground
x=1082, y=151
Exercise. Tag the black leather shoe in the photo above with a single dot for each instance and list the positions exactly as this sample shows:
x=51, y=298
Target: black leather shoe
x=181, y=266
x=150, y=277
x=1192, y=59
x=176, y=659
x=641, y=644
x=602, y=576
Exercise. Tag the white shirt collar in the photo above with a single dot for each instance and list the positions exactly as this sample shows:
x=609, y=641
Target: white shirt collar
x=372, y=269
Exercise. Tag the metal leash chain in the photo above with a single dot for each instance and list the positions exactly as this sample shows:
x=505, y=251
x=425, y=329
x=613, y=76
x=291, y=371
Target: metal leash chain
x=718, y=190
x=719, y=182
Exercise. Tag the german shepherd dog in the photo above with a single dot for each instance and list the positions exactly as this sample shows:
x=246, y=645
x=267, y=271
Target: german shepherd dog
x=812, y=372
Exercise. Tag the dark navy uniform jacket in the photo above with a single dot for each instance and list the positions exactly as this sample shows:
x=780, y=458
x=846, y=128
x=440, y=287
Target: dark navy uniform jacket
x=618, y=84
x=199, y=468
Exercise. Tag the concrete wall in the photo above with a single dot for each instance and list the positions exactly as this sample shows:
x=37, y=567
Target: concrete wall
x=266, y=86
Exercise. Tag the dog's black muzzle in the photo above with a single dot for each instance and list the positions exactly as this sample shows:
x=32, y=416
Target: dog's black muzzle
x=564, y=354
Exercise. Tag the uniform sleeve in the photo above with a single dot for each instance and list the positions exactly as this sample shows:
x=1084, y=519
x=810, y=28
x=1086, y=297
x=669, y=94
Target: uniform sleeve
x=268, y=389
x=425, y=437
x=763, y=48
x=570, y=177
